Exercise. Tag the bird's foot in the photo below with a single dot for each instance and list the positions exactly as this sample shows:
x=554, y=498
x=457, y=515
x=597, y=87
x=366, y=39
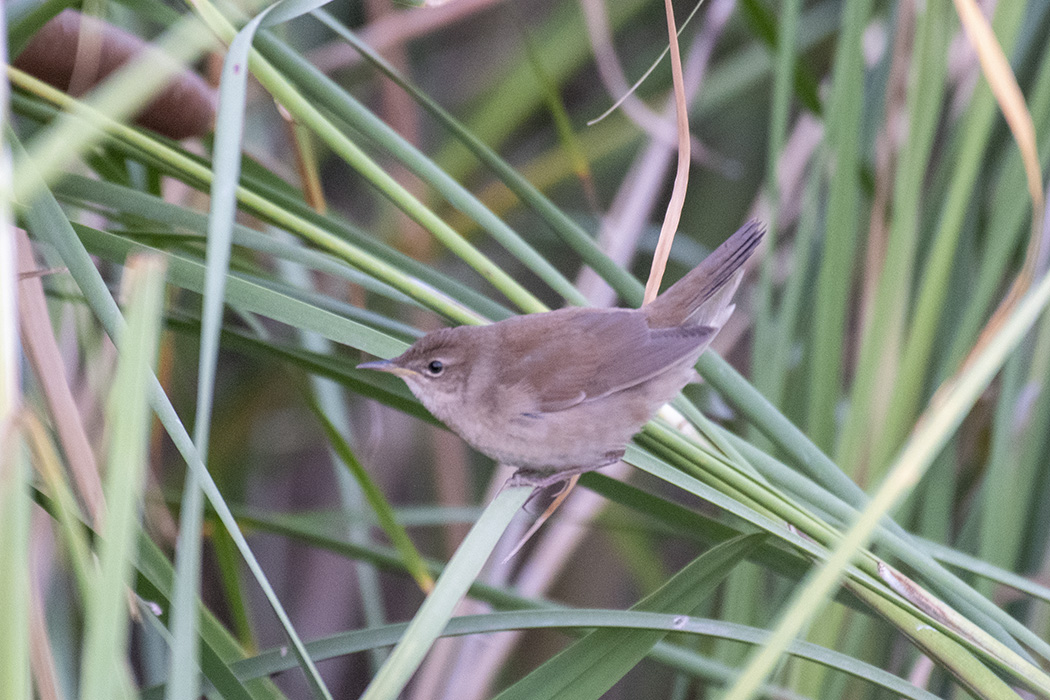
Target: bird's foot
x=538, y=479
x=541, y=479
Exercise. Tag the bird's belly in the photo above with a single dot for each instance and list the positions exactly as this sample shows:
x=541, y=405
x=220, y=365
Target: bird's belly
x=582, y=435
x=547, y=444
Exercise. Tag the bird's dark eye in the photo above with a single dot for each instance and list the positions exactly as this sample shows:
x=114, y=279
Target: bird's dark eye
x=435, y=367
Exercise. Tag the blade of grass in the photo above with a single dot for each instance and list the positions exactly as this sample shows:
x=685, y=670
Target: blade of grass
x=945, y=415
x=1008, y=477
x=673, y=214
x=573, y=234
x=834, y=279
x=14, y=470
x=1003, y=232
x=153, y=585
x=309, y=115
x=14, y=575
x=766, y=372
x=228, y=562
x=327, y=92
x=45, y=357
x=226, y=168
x=973, y=139
x=713, y=473
x=515, y=95
x=592, y=665
x=333, y=403
x=302, y=222
x=455, y=580
x=248, y=296
x=779, y=35
x=967, y=670
x=104, y=669
x=49, y=223
x=272, y=661
x=896, y=542
x=859, y=445
x=559, y=115
x=1003, y=82
x=384, y=513
x=183, y=678
x=658, y=467
x=219, y=651
x=121, y=203
x=66, y=510
x=14, y=538
x=984, y=569
x=809, y=459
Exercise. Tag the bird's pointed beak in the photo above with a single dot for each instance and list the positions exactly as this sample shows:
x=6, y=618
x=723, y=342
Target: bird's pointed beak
x=386, y=366
x=381, y=365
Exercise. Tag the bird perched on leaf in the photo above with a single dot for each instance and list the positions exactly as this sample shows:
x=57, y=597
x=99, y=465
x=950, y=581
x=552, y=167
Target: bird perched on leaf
x=560, y=393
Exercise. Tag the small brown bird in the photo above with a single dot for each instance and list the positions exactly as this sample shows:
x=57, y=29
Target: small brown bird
x=561, y=393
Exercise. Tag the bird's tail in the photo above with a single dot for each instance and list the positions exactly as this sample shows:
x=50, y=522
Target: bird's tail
x=703, y=295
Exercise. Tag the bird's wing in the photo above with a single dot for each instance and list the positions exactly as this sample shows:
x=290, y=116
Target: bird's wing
x=608, y=351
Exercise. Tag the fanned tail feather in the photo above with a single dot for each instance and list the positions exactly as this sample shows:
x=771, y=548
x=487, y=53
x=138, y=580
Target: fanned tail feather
x=703, y=295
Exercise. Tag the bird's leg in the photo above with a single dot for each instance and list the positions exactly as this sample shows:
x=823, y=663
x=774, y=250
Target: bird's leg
x=565, y=488
x=548, y=498
x=541, y=483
